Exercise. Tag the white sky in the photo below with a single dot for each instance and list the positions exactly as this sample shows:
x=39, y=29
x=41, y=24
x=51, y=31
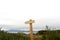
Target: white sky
x=16, y=12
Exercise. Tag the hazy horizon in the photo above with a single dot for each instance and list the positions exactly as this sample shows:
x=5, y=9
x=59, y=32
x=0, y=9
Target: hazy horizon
x=16, y=12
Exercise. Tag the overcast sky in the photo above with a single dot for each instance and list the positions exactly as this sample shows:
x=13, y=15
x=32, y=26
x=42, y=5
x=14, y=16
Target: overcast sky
x=16, y=12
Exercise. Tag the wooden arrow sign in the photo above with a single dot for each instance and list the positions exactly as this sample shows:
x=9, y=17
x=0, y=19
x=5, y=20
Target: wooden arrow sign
x=31, y=32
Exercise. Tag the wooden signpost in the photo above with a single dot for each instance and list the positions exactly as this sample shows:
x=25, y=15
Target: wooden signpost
x=30, y=23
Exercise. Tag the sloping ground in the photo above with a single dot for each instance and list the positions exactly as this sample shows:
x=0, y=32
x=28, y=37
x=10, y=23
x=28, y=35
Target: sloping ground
x=12, y=36
x=41, y=35
x=50, y=34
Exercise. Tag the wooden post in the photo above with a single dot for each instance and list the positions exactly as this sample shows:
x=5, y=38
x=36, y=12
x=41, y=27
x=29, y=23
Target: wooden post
x=47, y=32
x=31, y=31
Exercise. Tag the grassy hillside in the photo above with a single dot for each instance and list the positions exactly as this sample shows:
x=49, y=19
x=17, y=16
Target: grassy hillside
x=49, y=35
x=40, y=35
